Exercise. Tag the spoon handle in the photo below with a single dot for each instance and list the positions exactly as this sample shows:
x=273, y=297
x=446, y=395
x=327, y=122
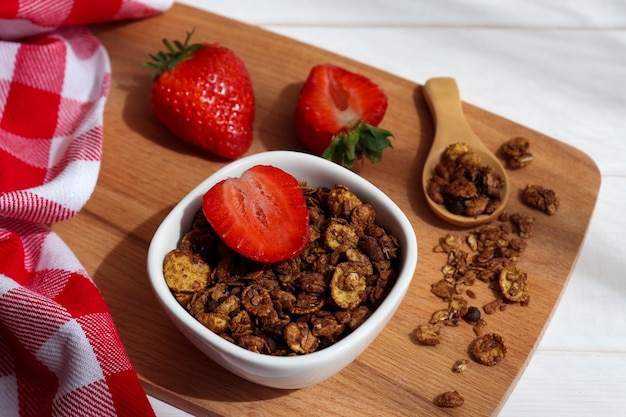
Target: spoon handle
x=443, y=99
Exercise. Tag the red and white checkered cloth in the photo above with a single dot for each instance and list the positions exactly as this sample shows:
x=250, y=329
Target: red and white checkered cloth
x=60, y=353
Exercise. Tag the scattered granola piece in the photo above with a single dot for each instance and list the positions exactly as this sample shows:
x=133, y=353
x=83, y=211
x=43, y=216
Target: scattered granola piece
x=525, y=224
x=541, y=198
x=513, y=284
x=492, y=307
x=449, y=399
x=488, y=349
x=458, y=307
x=448, y=243
x=517, y=152
x=442, y=289
x=460, y=366
x=479, y=327
x=429, y=334
x=440, y=316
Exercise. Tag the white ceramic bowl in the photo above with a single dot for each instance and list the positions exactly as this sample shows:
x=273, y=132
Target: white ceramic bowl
x=293, y=371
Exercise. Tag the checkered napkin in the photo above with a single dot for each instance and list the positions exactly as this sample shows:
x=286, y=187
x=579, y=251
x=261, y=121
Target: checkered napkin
x=60, y=353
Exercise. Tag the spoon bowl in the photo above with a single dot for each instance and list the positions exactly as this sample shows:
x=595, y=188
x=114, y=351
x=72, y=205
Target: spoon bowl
x=443, y=99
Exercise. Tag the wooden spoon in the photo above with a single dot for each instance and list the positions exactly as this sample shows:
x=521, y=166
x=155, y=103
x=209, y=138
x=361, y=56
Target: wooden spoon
x=444, y=101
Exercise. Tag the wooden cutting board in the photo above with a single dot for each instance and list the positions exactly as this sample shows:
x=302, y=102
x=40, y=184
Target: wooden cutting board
x=145, y=171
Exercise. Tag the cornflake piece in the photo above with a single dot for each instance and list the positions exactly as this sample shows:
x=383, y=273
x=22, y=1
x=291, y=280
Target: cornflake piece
x=307, y=303
x=241, y=324
x=231, y=304
x=362, y=216
x=256, y=300
x=449, y=399
x=185, y=271
x=513, y=285
x=341, y=201
x=313, y=282
x=254, y=343
x=340, y=235
x=300, y=339
x=488, y=349
x=354, y=318
x=326, y=325
x=435, y=189
x=217, y=322
x=347, y=286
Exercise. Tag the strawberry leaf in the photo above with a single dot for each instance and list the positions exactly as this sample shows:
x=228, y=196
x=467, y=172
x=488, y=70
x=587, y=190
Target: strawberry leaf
x=363, y=140
x=178, y=52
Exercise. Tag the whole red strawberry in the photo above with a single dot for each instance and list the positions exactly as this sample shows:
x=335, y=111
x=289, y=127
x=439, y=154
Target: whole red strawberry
x=203, y=94
x=338, y=113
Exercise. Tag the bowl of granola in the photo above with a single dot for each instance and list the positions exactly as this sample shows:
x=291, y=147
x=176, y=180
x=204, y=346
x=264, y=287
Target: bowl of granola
x=294, y=322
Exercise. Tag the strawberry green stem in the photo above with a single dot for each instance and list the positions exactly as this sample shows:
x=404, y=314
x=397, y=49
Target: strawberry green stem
x=176, y=53
x=364, y=140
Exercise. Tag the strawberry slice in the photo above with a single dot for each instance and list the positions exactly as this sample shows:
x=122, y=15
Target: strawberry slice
x=337, y=115
x=262, y=215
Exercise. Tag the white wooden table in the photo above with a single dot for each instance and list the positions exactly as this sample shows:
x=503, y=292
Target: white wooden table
x=556, y=66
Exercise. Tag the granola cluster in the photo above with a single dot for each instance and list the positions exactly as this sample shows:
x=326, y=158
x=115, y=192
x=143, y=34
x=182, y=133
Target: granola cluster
x=463, y=184
x=450, y=399
x=517, y=152
x=298, y=306
x=488, y=349
x=541, y=198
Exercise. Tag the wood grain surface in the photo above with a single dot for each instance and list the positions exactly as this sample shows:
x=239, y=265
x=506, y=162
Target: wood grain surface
x=145, y=171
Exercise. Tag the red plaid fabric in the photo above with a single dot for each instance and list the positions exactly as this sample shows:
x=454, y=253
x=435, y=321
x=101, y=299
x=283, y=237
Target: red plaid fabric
x=60, y=353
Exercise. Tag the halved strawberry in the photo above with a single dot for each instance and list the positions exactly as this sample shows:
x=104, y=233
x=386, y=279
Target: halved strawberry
x=337, y=115
x=262, y=215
